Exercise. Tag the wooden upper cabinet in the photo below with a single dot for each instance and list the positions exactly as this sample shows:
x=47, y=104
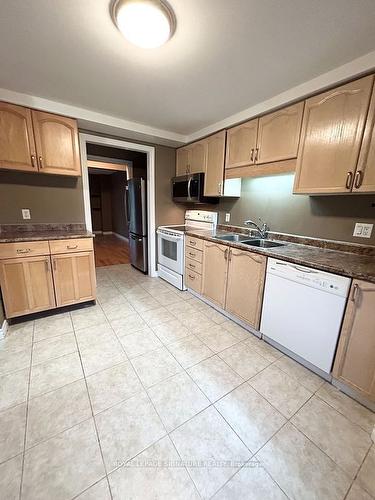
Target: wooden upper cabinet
x=198, y=156
x=246, y=272
x=241, y=144
x=214, y=178
x=74, y=277
x=278, y=134
x=17, y=146
x=27, y=286
x=364, y=179
x=182, y=161
x=214, y=279
x=332, y=130
x=56, y=139
x=355, y=357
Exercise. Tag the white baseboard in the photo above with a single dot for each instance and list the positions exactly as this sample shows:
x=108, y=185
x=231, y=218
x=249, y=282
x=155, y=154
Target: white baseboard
x=121, y=237
x=98, y=232
x=107, y=232
x=3, y=329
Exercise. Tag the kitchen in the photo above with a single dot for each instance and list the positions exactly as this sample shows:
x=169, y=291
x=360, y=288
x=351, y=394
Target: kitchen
x=242, y=364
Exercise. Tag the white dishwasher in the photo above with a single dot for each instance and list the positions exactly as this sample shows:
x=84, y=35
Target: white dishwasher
x=302, y=311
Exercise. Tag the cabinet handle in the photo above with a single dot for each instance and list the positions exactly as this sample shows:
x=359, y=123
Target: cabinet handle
x=33, y=161
x=69, y=247
x=219, y=187
x=191, y=277
x=358, y=179
x=226, y=254
x=349, y=178
x=40, y=162
x=192, y=254
x=354, y=292
x=46, y=263
x=54, y=264
x=256, y=155
x=193, y=243
x=192, y=265
x=252, y=154
x=23, y=250
x=230, y=255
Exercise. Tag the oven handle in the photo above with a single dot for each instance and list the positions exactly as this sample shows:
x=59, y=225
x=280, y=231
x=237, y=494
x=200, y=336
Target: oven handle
x=170, y=237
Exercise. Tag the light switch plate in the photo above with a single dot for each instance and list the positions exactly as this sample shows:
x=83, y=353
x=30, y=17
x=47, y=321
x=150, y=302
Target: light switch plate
x=227, y=217
x=26, y=213
x=363, y=230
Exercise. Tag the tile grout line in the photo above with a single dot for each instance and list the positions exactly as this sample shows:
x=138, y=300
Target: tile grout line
x=93, y=419
x=27, y=414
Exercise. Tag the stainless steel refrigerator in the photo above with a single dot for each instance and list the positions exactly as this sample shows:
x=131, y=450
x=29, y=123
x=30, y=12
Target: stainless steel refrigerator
x=137, y=217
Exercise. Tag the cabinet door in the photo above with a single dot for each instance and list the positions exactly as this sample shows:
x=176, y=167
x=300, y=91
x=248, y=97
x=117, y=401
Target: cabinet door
x=355, y=358
x=26, y=285
x=215, y=264
x=241, y=144
x=56, y=139
x=331, y=136
x=198, y=157
x=182, y=161
x=17, y=146
x=246, y=273
x=364, y=179
x=278, y=134
x=74, y=277
x=214, y=178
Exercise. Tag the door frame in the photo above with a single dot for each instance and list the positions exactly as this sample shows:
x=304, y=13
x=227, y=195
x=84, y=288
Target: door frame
x=85, y=139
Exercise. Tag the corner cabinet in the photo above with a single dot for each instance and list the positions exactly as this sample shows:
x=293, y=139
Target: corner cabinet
x=56, y=139
x=355, y=358
x=332, y=130
x=34, y=141
x=234, y=280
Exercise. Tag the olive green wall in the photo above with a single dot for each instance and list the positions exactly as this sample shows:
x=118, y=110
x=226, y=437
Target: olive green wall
x=328, y=217
x=50, y=198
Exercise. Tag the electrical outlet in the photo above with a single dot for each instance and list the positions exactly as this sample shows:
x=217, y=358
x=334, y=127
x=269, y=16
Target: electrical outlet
x=227, y=217
x=26, y=213
x=363, y=230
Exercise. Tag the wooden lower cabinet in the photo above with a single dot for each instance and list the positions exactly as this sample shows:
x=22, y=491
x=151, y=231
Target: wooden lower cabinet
x=27, y=285
x=215, y=268
x=74, y=277
x=355, y=358
x=245, y=285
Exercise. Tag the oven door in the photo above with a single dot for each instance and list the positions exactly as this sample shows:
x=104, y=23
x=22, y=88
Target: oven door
x=171, y=251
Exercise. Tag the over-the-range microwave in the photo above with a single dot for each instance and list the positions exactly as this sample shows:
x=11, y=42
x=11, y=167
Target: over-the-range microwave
x=189, y=189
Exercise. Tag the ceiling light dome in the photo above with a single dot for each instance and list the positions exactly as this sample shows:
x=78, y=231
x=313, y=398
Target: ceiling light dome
x=146, y=23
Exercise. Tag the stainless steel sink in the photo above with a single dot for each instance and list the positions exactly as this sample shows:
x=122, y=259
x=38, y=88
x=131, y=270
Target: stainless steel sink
x=232, y=237
x=262, y=243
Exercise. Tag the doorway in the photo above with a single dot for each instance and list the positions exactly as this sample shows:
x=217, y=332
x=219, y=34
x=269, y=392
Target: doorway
x=107, y=166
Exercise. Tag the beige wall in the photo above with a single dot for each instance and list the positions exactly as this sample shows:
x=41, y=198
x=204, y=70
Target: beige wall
x=271, y=198
x=50, y=198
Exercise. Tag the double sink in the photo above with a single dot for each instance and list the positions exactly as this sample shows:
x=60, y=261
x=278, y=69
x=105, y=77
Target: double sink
x=252, y=242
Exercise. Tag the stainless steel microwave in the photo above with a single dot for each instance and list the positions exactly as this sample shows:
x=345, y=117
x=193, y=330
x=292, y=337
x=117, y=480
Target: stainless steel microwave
x=190, y=189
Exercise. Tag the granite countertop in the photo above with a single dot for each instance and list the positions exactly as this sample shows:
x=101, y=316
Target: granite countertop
x=13, y=233
x=353, y=265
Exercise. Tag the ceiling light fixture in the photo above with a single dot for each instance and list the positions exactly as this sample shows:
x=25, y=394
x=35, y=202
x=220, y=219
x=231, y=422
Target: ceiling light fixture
x=146, y=23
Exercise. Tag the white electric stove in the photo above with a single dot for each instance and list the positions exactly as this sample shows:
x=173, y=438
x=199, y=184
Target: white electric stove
x=171, y=255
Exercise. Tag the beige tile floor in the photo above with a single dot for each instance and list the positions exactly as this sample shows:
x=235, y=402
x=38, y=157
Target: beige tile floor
x=152, y=394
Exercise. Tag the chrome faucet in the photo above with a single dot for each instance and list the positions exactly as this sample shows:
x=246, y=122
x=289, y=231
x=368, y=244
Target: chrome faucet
x=262, y=230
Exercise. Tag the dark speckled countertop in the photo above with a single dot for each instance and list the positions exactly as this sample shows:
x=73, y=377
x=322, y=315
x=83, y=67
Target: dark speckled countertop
x=12, y=233
x=354, y=265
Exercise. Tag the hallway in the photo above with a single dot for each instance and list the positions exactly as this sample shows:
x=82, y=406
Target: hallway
x=110, y=250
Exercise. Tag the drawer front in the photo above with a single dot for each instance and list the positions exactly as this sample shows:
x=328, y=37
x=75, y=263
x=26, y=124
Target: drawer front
x=194, y=243
x=193, y=280
x=72, y=245
x=191, y=253
x=23, y=249
x=193, y=265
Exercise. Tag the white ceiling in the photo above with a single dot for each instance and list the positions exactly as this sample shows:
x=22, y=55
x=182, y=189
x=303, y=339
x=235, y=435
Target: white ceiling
x=224, y=57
